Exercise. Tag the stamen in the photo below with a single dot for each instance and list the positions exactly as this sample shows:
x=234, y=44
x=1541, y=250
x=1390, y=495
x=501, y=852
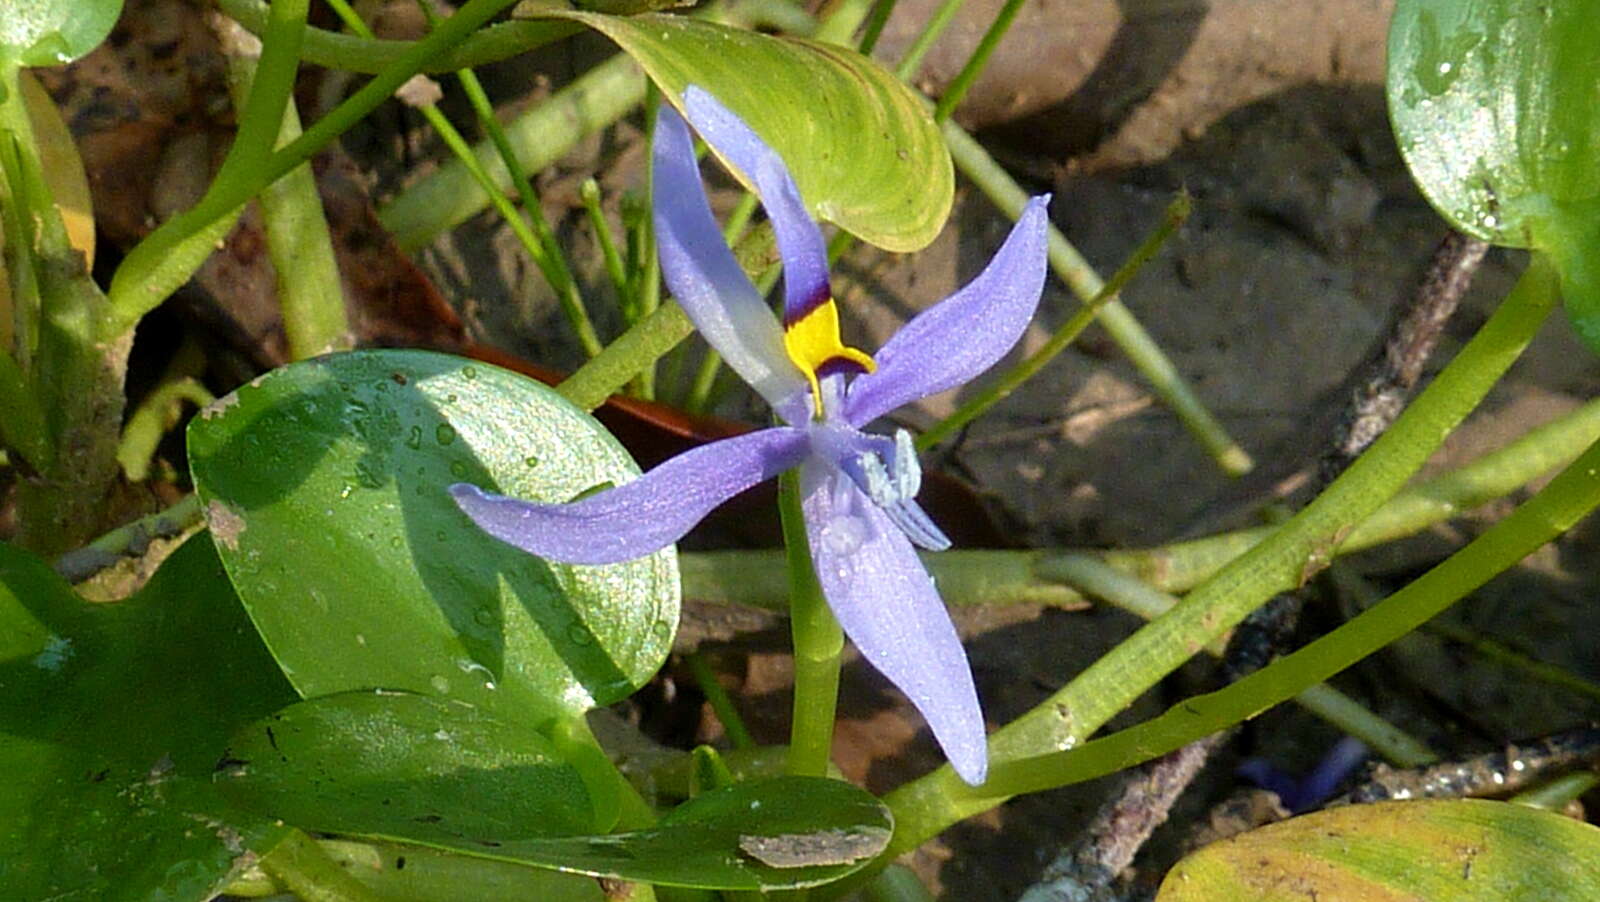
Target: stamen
x=917, y=525
x=907, y=470
x=813, y=343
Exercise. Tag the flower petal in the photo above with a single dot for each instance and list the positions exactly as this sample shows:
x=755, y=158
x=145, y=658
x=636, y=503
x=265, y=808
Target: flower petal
x=888, y=607
x=642, y=516
x=805, y=259
x=703, y=275
x=963, y=335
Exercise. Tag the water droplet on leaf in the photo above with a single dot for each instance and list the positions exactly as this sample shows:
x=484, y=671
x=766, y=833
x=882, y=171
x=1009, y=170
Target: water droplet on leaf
x=445, y=433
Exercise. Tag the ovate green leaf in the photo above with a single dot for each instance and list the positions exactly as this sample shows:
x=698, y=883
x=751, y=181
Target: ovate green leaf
x=325, y=486
x=860, y=143
x=1496, y=109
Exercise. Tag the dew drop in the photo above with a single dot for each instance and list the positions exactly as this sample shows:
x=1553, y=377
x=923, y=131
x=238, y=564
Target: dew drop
x=395, y=542
x=414, y=440
x=445, y=433
x=531, y=460
x=578, y=634
x=469, y=372
x=458, y=469
x=483, y=616
x=844, y=535
x=439, y=683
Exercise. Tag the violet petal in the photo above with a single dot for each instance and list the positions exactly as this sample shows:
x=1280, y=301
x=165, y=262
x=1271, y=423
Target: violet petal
x=953, y=341
x=642, y=516
x=800, y=245
x=889, y=608
x=703, y=275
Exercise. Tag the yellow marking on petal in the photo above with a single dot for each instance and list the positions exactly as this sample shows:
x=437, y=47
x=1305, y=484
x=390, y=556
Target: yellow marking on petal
x=813, y=340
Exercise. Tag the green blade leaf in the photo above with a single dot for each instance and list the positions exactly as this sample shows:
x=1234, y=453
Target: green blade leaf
x=1434, y=851
x=404, y=766
x=1494, y=107
x=112, y=718
x=860, y=144
x=53, y=32
x=325, y=483
x=780, y=833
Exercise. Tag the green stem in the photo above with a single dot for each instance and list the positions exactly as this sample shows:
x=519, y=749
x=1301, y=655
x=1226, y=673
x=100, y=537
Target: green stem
x=589, y=194
x=998, y=390
x=1184, y=565
x=818, y=642
x=1294, y=552
x=1146, y=356
x=1508, y=657
x=354, y=53
x=965, y=577
x=627, y=356
x=931, y=31
x=75, y=382
x=721, y=704
x=1555, y=509
x=1560, y=792
x=879, y=17
x=22, y=425
x=539, y=137
x=167, y=257
x=958, y=87
x=310, y=292
x=1096, y=579
x=149, y=422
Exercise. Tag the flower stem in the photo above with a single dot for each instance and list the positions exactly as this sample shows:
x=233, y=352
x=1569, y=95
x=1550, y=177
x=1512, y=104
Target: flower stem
x=818, y=642
x=1291, y=554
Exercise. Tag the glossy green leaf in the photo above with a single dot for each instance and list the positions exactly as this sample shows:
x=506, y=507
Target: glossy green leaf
x=861, y=144
x=1495, y=109
x=773, y=834
x=325, y=486
x=404, y=766
x=1434, y=851
x=53, y=32
x=112, y=718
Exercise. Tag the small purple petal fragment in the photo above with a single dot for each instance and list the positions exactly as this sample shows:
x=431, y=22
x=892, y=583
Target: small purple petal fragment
x=703, y=275
x=642, y=516
x=889, y=608
x=800, y=245
x=958, y=338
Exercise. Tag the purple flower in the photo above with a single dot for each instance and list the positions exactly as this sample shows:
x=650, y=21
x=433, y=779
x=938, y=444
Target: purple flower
x=858, y=489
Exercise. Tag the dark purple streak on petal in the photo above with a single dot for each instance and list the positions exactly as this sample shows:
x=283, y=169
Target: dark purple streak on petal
x=805, y=259
x=703, y=275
